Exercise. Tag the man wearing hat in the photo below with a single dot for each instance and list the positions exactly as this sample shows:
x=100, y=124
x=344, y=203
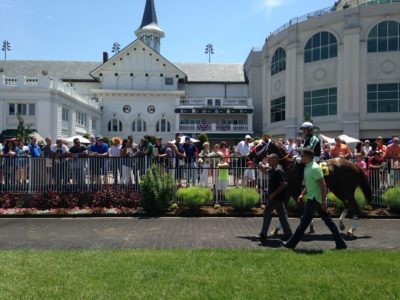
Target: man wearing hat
x=316, y=193
x=311, y=140
x=243, y=150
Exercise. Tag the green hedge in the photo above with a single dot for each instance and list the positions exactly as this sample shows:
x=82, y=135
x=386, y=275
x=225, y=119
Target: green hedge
x=242, y=199
x=360, y=199
x=391, y=198
x=195, y=197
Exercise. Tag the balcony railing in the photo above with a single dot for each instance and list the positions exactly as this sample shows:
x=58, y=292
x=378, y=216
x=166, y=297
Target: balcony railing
x=215, y=128
x=326, y=11
x=45, y=82
x=243, y=102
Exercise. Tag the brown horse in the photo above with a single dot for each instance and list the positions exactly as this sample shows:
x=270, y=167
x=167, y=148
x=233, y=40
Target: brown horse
x=343, y=179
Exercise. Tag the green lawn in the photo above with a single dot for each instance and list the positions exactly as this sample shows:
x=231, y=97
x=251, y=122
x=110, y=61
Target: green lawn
x=199, y=274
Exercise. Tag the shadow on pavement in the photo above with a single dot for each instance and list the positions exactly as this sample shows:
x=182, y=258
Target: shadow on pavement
x=329, y=237
x=271, y=242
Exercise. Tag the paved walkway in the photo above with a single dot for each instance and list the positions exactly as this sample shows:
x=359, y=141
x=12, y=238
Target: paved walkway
x=106, y=233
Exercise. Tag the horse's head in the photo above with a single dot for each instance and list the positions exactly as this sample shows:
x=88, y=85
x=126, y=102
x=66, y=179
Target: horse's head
x=267, y=147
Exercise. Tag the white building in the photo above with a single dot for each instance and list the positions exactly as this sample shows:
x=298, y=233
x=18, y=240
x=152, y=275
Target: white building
x=340, y=66
x=136, y=92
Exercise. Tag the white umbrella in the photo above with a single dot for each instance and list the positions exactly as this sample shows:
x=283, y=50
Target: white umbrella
x=326, y=138
x=183, y=140
x=348, y=139
x=38, y=137
x=81, y=139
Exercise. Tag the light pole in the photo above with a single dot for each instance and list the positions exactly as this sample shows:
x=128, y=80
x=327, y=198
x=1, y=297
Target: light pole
x=116, y=48
x=6, y=47
x=209, y=51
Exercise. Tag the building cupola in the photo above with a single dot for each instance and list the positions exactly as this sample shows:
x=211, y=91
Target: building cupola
x=149, y=32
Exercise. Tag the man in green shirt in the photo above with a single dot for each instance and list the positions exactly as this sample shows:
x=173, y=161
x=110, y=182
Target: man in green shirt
x=316, y=193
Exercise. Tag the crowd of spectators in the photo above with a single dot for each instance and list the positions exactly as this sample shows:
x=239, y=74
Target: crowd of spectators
x=192, y=163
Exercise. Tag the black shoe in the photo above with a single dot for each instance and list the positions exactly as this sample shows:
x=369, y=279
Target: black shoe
x=288, y=245
x=341, y=246
x=263, y=237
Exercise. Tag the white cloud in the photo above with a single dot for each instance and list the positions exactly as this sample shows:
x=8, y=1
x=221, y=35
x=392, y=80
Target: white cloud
x=269, y=5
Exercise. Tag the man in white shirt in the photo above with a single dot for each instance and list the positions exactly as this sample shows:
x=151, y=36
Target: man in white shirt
x=367, y=147
x=116, y=163
x=60, y=171
x=243, y=150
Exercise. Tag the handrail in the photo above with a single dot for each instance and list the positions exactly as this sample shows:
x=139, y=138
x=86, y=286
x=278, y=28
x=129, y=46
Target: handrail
x=324, y=11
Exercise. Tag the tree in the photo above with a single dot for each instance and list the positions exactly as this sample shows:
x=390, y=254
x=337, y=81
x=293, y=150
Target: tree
x=21, y=130
x=202, y=137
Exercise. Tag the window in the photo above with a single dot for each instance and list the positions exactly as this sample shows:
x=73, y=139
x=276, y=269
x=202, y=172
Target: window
x=278, y=63
x=139, y=126
x=11, y=109
x=217, y=102
x=320, y=103
x=278, y=110
x=81, y=118
x=163, y=126
x=322, y=45
x=32, y=108
x=22, y=109
x=384, y=37
x=383, y=98
x=210, y=102
x=169, y=81
x=115, y=125
x=65, y=114
x=94, y=124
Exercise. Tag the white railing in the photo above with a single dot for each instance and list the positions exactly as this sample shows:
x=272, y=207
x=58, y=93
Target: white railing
x=230, y=102
x=45, y=82
x=326, y=11
x=213, y=127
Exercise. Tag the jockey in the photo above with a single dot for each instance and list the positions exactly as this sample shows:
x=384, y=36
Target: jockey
x=311, y=140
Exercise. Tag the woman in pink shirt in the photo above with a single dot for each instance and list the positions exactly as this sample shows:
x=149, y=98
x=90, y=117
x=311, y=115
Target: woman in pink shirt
x=361, y=163
x=225, y=151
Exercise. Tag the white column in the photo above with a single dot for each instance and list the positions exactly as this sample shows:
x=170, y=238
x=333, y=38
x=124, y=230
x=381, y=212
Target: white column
x=351, y=76
x=250, y=122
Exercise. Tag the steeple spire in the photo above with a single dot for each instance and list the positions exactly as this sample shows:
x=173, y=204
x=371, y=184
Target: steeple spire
x=149, y=32
x=150, y=15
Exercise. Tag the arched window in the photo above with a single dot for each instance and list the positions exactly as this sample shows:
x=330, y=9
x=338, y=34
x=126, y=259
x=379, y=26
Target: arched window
x=322, y=45
x=139, y=126
x=115, y=125
x=384, y=37
x=278, y=63
x=163, y=126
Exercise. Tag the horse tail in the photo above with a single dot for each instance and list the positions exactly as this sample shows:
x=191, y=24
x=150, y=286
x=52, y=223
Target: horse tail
x=365, y=187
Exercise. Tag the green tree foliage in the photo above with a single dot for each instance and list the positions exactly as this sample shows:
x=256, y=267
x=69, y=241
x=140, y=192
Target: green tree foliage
x=158, y=191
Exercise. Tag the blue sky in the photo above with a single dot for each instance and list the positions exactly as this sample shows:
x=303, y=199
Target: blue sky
x=83, y=29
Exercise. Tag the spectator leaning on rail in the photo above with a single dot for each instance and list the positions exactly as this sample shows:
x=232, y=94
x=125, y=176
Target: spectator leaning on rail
x=115, y=153
x=99, y=163
x=190, y=160
x=277, y=184
x=392, y=156
x=77, y=153
x=316, y=193
x=340, y=149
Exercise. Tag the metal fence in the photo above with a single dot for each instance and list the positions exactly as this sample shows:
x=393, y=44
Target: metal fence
x=32, y=175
